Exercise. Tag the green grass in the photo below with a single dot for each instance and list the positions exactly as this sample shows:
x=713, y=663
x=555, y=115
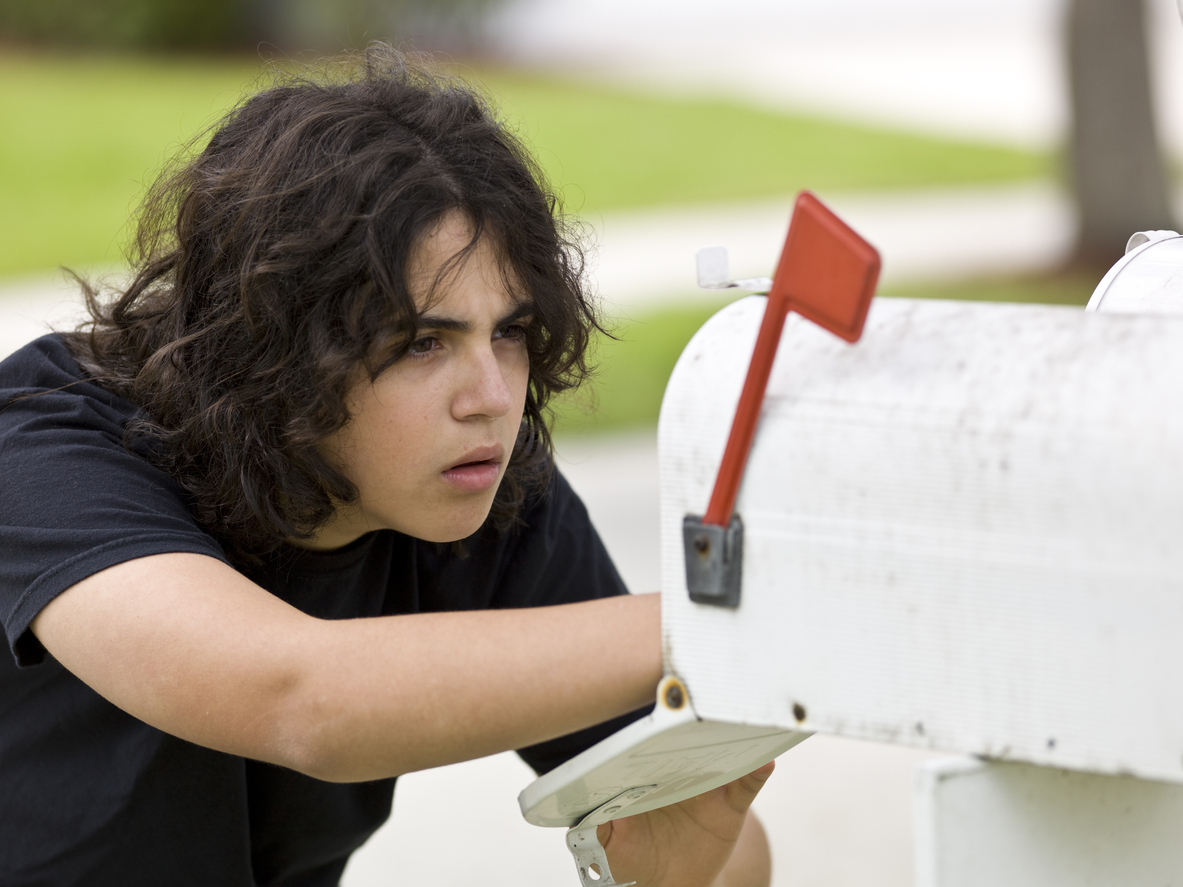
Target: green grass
x=80, y=139
x=607, y=148
x=1066, y=288
x=633, y=369
x=82, y=136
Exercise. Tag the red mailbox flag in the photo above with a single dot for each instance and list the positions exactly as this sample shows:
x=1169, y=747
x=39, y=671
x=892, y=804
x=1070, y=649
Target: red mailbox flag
x=826, y=273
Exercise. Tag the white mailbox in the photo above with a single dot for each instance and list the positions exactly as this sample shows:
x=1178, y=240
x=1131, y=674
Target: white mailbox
x=963, y=533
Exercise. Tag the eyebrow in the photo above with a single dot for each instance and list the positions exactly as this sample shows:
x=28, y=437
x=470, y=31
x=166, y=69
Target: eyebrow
x=452, y=324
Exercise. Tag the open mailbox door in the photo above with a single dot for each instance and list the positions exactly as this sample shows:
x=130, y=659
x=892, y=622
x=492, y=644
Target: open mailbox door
x=664, y=758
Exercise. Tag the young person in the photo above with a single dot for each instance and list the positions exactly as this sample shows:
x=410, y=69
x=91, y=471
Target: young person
x=281, y=524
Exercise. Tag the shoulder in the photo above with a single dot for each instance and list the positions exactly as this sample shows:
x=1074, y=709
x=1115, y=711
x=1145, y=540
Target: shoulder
x=55, y=420
x=42, y=378
x=44, y=361
x=74, y=499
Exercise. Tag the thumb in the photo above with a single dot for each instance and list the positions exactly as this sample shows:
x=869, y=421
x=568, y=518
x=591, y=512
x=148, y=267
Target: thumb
x=743, y=791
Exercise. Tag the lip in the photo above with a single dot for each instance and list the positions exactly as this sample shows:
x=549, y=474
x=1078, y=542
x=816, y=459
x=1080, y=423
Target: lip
x=477, y=471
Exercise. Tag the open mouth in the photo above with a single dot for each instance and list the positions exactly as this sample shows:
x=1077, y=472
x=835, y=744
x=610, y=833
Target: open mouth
x=476, y=476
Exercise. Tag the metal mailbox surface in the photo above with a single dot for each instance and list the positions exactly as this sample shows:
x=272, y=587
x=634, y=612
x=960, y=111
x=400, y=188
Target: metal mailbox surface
x=964, y=533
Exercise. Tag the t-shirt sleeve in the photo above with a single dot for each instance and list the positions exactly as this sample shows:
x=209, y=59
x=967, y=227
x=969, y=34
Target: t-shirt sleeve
x=73, y=499
x=554, y=557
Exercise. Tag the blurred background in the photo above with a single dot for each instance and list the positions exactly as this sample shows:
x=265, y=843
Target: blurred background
x=1002, y=150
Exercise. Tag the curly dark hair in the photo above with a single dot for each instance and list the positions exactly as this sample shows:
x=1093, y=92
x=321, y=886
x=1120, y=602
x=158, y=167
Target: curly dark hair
x=273, y=264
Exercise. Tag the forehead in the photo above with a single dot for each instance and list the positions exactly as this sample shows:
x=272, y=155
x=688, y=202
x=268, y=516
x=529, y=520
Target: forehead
x=447, y=262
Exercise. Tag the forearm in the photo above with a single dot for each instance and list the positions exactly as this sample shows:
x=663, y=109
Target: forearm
x=190, y=646
x=461, y=685
x=750, y=864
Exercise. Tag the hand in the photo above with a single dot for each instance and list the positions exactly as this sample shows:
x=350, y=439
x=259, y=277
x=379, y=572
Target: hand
x=689, y=844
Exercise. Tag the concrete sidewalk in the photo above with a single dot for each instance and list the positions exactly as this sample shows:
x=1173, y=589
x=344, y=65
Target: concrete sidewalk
x=647, y=256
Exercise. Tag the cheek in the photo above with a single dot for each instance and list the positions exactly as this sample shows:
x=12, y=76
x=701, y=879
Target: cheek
x=518, y=376
x=387, y=467
x=383, y=433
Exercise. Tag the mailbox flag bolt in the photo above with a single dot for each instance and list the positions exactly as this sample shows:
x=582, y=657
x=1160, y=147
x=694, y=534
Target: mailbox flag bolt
x=702, y=544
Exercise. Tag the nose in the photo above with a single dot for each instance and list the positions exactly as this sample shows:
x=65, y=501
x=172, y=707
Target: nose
x=485, y=389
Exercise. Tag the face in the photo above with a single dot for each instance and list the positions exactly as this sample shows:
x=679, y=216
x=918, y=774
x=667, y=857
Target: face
x=430, y=437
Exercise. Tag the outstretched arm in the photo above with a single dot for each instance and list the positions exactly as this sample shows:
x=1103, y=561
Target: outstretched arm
x=190, y=646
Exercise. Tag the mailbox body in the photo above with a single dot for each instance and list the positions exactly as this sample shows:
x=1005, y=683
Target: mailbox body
x=964, y=533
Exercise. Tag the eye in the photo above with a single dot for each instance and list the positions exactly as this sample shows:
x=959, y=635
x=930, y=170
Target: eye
x=423, y=345
x=512, y=331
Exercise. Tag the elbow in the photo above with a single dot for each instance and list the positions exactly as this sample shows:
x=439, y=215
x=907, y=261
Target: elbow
x=308, y=741
x=317, y=721
x=331, y=762
x=326, y=741
x=312, y=758
x=301, y=722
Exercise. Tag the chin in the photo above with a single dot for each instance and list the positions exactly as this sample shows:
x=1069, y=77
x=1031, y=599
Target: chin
x=455, y=528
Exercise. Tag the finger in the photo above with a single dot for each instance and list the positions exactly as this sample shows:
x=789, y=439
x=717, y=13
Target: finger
x=604, y=833
x=743, y=791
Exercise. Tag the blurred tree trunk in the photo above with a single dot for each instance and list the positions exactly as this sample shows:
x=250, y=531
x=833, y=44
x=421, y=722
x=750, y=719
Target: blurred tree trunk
x=1118, y=177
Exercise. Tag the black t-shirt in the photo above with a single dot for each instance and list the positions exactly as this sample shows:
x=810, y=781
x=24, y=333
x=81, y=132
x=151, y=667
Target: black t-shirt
x=92, y=796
